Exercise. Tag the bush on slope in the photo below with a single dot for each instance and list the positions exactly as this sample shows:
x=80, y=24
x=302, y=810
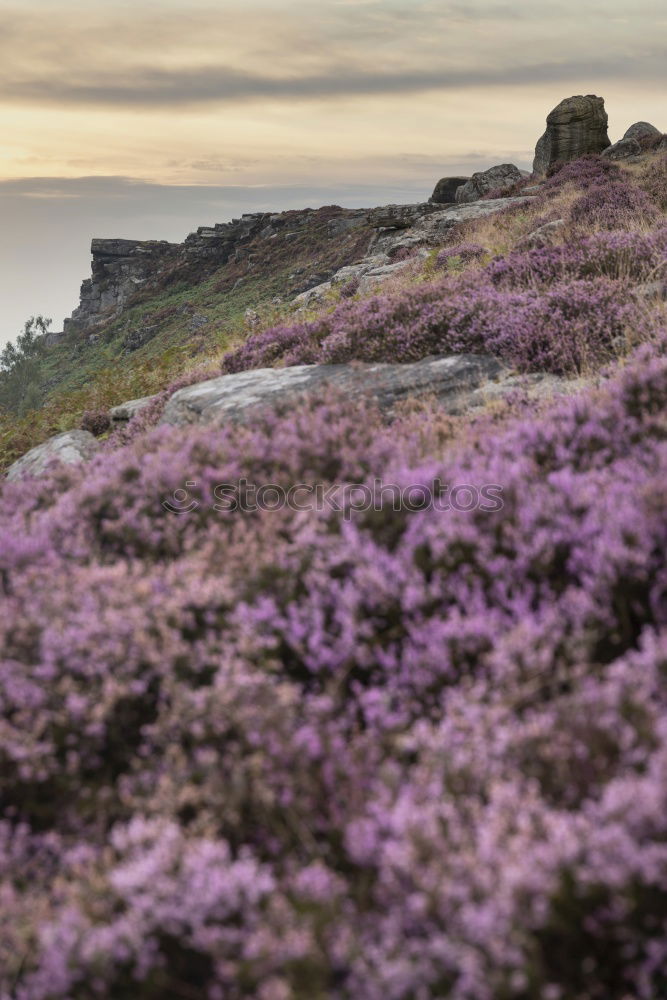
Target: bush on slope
x=289, y=755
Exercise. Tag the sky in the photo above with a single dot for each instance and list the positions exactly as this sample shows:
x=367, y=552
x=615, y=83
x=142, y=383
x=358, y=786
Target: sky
x=146, y=119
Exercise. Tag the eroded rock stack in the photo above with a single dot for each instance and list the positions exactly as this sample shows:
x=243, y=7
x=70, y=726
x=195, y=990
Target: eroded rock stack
x=119, y=269
x=577, y=126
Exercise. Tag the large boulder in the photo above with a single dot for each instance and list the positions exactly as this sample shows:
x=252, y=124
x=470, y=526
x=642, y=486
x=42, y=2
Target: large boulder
x=70, y=448
x=622, y=150
x=445, y=190
x=499, y=178
x=237, y=397
x=643, y=133
x=576, y=127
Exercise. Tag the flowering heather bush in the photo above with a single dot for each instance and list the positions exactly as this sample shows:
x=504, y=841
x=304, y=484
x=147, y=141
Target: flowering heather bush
x=613, y=206
x=586, y=172
x=557, y=329
x=621, y=255
x=653, y=180
x=350, y=288
x=288, y=756
x=96, y=422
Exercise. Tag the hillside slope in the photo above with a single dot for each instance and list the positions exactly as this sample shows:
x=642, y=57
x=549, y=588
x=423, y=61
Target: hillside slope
x=153, y=310
x=325, y=704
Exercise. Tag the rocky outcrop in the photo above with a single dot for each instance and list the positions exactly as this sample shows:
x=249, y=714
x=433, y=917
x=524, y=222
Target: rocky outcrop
x=577, y=126
x=426, y=229
x=445, y=190
x=69, y=448
x=372, y=270
x=399, y=216
x=53, y=337
x=119, y=269
x=622, y=150
x=430, y=230
x=498, y=178
x=122, y=268
x=643, y=133
x=237, y=397
x=459, y=383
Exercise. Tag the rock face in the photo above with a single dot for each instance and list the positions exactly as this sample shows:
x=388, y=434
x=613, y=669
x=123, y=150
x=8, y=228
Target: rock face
x=426, y=228
x=121, y=268
x=643, y=133
x=498, y=178
x=445, y=190
x=71, y=448
x=236, y=397
x=399, y=216
x=576, y=127
x=622, y=149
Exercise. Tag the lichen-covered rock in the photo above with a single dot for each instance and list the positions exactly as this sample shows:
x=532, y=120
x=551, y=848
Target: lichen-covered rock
x=445, y=190
x=576, y=127
x=235, y=397
x=498, y=178
x=622, y=150
x=70, y=448
x=643, y=133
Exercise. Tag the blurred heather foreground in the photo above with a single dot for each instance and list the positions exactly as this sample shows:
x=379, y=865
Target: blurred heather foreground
x=356, y=750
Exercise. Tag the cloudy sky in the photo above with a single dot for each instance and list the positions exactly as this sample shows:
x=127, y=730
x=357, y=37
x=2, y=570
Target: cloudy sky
x=147, y=118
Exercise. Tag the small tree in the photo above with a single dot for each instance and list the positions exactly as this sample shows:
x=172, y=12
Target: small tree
x=20, y=368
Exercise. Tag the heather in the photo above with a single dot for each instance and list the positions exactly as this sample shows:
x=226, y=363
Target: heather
x=611, y=206
x=652, y=178
x=566, y=308
x=292, y=754
x=586, y=172
x=561, y=309
x=391, y=754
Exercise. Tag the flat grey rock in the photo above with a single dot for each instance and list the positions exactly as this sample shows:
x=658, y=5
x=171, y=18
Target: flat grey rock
x=440, y=222
x=125, y=411
x=653, y=290
x=399, y=216
x=235, y=397
x=69, y=448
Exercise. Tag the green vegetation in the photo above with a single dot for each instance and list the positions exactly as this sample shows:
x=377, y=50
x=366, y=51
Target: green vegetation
x=20, y=368
x=191, y=316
